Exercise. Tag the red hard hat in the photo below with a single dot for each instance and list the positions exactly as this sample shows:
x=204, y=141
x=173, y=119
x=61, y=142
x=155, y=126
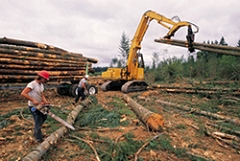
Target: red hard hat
x=44, y=74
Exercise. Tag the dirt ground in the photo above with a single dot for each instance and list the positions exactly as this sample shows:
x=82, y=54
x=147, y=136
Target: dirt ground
x=15, y=143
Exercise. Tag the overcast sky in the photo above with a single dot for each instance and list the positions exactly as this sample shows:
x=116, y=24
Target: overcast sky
x=94, y=27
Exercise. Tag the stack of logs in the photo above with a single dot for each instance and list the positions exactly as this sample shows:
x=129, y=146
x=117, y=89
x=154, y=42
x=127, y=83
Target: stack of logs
x=21, y=60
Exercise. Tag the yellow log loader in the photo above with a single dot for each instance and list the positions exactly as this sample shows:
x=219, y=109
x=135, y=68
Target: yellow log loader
x=131, y=77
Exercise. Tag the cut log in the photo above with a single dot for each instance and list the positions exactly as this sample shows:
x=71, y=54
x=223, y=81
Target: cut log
x=39, y=53
x=160, y=86
x=206, y=113
x=196, y=90
x=201, y=46
x=230, y=130
x=29, y=43
x=52, y=73
x=53, y=138
x=21, y=60
x=60, y=60
x=31, y=67
x=152, y=120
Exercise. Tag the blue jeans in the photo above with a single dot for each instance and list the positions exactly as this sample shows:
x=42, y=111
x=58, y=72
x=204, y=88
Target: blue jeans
x=80, y=94
x=39, y=119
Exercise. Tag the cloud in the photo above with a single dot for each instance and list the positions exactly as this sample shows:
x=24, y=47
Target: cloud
x=94, y=28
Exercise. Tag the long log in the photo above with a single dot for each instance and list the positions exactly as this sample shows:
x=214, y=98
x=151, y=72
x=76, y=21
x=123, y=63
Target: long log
x=152, y=120
x=21, y=60
x=92, y=60
x=188, y=91
x=5, y=40
x=46, y=53
x=229, y=50
x=25, y=79
x=33, y=76
x=36, y=50
x=52, y=73
x=217, y=82
x=222, y=47
x=193, y=88
x=59, y=60
x=55, y=136
x=38, y=54
x=41, y=63
x=206, y=113
x=34, y=67
x=212, y=46
x=230, y=130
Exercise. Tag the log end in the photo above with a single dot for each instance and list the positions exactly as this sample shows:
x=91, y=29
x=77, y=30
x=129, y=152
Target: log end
x=155, y=122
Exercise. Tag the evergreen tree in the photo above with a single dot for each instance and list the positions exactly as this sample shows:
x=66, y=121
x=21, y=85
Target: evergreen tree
x=223, y=42
x=120, y=61
x=155, y=60
x=123, y=50
x=238, y=43
x=114, y=61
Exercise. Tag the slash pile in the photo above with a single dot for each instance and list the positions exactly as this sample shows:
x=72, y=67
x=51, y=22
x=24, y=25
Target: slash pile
x=21, y=60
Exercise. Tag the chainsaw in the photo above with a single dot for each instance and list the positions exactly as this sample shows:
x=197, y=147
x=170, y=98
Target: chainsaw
x=45, y=109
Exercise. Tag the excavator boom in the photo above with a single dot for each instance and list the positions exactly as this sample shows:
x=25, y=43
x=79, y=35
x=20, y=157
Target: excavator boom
x=131, y=77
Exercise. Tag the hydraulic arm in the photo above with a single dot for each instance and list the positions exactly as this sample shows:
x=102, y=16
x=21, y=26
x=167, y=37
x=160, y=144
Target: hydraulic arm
x=131, y=77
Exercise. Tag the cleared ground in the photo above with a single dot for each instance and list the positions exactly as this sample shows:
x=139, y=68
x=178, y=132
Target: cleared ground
x=184, y=130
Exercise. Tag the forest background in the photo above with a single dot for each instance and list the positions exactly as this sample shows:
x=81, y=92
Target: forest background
x=201, y=65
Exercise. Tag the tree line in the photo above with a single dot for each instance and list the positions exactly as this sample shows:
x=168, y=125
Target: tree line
x=201, y=65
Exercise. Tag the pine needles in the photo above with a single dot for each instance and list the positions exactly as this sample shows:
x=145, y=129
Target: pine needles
x=97, y=116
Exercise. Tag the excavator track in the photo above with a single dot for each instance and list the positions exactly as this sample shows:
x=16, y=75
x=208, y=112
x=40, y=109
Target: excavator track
x=134, y=86
x=104, y=85
x=112, y=85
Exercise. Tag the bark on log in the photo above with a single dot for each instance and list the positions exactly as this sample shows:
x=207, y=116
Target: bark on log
x=206, y=45
x=39, y=53
x=52, y=73
x=34, y=76
x=232, y=131
x=39, y=62
x=194, y=110
x=37, y=58
x=152, y=120
x=5, y=40
x=27, y=48
x=33, y=67
x=228, y=50
x=217, y=82
x=193, y=88
x=53, y=138
x=200, y=92
x=21, y=60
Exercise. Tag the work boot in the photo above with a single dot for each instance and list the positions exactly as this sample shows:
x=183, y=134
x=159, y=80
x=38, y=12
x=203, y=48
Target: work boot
x=39, y=140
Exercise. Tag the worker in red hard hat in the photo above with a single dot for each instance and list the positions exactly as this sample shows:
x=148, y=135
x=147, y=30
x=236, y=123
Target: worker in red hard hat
x=35, y=95
x=44, y=74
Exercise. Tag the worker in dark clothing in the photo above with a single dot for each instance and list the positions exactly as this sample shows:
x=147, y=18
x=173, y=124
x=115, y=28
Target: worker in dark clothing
x=81, y=88
x=35, y=95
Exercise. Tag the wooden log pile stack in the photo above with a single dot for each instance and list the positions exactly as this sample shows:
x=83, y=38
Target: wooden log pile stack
x=21, y=60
